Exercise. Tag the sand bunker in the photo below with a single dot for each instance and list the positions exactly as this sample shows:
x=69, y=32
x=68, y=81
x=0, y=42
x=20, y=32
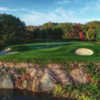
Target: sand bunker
x=84, y=52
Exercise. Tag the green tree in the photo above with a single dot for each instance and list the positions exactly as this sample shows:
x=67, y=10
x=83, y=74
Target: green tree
x=12, y=30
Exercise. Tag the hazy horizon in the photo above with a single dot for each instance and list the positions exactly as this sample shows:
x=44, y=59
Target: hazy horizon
x=58, y=11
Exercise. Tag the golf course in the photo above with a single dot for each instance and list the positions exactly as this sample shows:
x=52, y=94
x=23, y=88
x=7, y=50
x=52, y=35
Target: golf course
x=55, y=61
x=51, y=52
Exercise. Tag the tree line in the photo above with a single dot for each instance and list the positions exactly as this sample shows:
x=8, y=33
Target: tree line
x=63, y=31
x=13, y=30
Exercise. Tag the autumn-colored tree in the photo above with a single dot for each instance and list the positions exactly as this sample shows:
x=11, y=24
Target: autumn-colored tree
x=91, y=33
x=82, y=37
x=66, y=29
x=77, y=32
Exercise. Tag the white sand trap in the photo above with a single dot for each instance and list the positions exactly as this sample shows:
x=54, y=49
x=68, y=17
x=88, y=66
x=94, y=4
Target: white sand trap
x=84, y=52
x=7, y=49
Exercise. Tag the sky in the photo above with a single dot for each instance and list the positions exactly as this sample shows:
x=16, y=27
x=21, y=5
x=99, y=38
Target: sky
x=38, y=12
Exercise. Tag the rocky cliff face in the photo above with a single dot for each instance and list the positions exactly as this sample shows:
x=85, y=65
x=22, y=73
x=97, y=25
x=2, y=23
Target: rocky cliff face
x=39, y=79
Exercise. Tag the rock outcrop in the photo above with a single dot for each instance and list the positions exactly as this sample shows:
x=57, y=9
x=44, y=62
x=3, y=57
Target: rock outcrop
x=40, y=79
x=6, y=82
x=46, y=82
x=79, y=76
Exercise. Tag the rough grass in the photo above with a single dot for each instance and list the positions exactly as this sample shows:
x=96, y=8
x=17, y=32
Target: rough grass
x=85, y=92
x=52, y=52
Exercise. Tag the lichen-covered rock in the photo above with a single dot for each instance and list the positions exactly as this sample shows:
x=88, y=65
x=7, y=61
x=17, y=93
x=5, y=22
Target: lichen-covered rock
x=62, y=76
x=24, y=84
x=32, y=71
x=46, y=81
x=79, y=76
x=36, y=74
x=84, y=52
x=35, y=85
x=6, y=82
x=54, y=66
x=29, y=85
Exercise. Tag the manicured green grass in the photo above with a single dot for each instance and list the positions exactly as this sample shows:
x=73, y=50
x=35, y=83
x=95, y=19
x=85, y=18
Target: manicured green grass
x=52, y=52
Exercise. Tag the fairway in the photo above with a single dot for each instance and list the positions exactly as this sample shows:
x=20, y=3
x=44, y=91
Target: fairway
x=52, y=52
